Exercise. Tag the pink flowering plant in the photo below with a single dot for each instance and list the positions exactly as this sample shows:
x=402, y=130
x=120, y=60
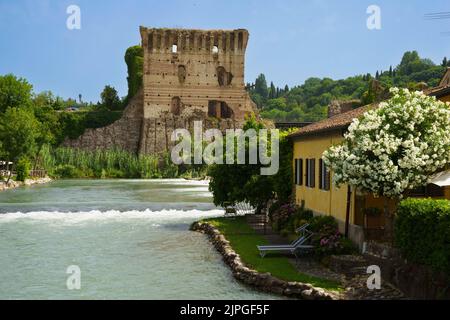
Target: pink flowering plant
x=327, y=239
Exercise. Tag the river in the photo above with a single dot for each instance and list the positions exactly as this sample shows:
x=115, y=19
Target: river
x=128, y=239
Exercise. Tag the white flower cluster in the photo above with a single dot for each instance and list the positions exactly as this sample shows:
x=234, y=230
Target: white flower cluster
x=394, y=147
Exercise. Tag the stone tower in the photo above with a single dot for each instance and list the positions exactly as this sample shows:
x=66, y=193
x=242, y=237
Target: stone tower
x=188, y=75
x=192, y=75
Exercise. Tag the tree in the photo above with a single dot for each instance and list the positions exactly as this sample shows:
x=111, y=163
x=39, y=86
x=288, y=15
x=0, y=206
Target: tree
x=14, y=92
x=261, y=86
x=395, y=147
x=19, y=130
x=49, y=128
x=279, y=103
x=273, y=91
x=234, y=183
x=110, y=98
x=257, y=99
x=411, y=63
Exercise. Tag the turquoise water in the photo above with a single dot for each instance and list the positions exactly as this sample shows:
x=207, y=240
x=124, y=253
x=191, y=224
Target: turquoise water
x=129, y=239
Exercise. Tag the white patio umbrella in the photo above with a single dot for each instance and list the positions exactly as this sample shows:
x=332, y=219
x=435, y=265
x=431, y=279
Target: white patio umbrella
x=442, y=179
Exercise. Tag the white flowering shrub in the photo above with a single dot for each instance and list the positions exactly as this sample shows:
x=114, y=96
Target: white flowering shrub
x=394, y=147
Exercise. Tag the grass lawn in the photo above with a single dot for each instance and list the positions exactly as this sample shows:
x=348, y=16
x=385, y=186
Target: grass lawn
x=244, y=240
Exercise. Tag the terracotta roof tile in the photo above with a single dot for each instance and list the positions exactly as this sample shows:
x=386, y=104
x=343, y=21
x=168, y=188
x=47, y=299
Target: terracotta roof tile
x=438, y=91
x=340, y=121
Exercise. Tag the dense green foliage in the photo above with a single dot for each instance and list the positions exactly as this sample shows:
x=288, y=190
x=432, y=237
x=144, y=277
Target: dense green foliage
x=73, y=124
x=14, y=92
x=244, y=240
x=234, y=183
x=114, y=163
x=110, y=99
x=422, y=232
x=19, y=130
x=71, y=163
x=287, y=217
x=134, y=58
x=23, y=169
x=308, y=102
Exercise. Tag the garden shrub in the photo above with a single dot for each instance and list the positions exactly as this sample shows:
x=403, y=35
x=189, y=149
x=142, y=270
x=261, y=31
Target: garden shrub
x=23, y=169
x=422, y=232
x=274, y=207
x=319, y=222
x=288, y=217
x=327, y=239
x=280, y=217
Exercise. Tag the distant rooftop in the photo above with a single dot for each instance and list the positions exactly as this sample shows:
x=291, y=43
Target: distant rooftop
x=340, y=121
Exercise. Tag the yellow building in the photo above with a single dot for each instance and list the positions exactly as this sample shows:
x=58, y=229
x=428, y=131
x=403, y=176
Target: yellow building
x=312, y=179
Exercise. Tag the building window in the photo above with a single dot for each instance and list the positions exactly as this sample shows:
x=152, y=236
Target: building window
x=181, y=74
x=324, y=176
x=220, y=110
x=223, y=77
x=298, y=175
x=176, y=106
x=174, y=48
x=310, y=173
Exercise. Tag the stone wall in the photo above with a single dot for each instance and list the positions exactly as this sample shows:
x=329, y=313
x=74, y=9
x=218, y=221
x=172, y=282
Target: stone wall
x=340, y=106
x=262, y=281
x=123, y=133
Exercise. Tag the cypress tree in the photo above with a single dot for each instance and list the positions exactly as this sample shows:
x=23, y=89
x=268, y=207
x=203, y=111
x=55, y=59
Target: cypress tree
x=272, y=93
x=261, y=86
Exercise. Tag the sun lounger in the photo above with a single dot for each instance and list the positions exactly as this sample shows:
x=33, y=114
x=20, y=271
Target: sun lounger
x=296, y=246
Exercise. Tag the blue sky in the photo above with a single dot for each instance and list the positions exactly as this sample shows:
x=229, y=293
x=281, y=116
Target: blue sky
x=290, y=41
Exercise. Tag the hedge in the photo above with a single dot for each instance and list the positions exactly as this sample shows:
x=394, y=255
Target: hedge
x=422, y=232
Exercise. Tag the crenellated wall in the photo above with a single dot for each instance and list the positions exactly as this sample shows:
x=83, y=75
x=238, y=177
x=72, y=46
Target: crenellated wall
x=188, y=75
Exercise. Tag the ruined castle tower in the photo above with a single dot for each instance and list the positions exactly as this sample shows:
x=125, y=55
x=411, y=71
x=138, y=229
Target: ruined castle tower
x=192, y=75
x=188, y=75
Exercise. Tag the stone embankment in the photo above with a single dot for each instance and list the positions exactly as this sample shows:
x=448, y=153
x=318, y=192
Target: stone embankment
x=262, y=281
x=28, y=182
